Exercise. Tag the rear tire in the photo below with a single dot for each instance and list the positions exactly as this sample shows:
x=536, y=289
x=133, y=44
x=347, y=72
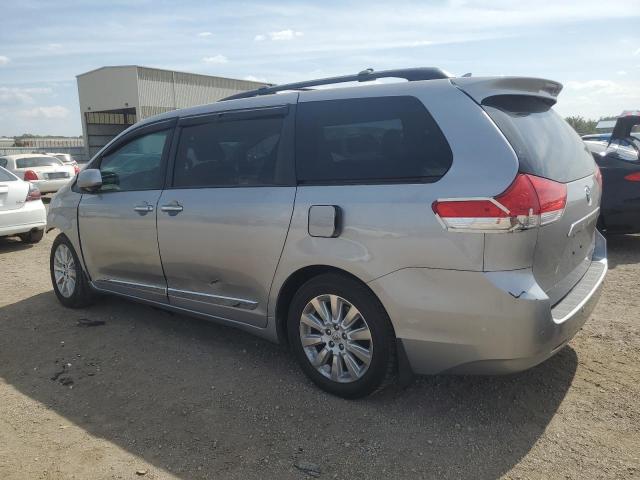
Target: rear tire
x=70, y=283
x=34, y=236
x=350, y=355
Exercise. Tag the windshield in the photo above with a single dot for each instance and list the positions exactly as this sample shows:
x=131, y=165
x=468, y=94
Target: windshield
x=30, y=162
x=545, y=144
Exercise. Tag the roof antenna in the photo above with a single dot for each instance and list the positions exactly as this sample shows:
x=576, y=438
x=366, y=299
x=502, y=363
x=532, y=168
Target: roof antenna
x=467, y=75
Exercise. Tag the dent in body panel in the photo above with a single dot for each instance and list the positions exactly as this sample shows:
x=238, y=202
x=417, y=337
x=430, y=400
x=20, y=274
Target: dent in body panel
x=509, y=251
x=229, y=252
x=498, y=315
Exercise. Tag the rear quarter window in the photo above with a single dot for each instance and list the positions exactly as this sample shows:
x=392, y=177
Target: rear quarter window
x=369, y=140
x=545, y=144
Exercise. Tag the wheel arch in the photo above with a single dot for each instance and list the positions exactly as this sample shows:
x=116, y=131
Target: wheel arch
x=294, y=281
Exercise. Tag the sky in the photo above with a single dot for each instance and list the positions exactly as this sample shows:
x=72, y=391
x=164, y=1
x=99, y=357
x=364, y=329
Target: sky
x=591, y=47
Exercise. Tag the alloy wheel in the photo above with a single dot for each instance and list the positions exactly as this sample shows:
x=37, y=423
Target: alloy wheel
x=64, y=270
x=336, y=338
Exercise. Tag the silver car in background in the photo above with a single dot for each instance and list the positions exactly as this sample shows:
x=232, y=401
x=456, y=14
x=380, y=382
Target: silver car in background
x=436, y=225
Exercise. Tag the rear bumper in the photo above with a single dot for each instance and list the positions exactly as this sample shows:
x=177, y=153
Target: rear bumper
x=484, y=322
x=50, y=186
x=21, y=220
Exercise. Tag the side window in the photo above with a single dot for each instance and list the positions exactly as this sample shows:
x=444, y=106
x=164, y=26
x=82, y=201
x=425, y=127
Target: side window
x=377, y=140
x=137, y=165
x=3, y=162
x=230, y=153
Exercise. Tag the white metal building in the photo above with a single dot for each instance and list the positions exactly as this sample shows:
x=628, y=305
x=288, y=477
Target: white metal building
x=113, y=98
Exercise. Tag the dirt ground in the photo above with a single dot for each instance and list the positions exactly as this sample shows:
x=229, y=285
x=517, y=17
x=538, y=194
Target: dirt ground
x=153, y=395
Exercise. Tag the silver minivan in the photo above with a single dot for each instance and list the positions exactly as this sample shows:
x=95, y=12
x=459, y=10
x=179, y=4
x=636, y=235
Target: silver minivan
x=437, y=225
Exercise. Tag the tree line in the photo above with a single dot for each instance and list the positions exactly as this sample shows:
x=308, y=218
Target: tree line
x=585, y=126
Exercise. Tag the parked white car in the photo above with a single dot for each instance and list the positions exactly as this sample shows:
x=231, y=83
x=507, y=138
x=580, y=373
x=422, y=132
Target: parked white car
x=22, y=212
x=66, y=158
x=46, y=172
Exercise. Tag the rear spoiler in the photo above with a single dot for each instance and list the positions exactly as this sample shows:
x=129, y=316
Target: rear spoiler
x=480, y=88
x=624, y=126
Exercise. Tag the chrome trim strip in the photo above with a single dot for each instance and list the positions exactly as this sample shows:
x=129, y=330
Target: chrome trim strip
x=583, y=220
x=213, y=299
x=166, y=306
x=104, y=283
x=586, y=298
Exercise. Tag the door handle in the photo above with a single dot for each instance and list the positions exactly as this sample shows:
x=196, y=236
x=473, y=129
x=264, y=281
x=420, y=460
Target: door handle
x=144, y=208
x=172, y=208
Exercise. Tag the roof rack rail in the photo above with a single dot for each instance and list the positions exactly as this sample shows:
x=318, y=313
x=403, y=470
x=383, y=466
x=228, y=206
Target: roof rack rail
x=410, y=74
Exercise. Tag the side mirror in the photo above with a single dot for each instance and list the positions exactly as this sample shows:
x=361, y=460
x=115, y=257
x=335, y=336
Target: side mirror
x=90, y=179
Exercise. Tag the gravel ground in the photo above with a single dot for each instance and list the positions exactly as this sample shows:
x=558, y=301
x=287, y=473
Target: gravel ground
x=148, y=394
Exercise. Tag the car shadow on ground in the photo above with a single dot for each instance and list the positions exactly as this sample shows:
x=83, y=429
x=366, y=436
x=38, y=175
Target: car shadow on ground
x=201, y=400
x=12, y=244
x=623, y=250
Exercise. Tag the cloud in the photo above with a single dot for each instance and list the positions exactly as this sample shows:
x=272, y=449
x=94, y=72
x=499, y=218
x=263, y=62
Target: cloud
x=596, y=98
x=251, y=78
x=205, y=34
x=55, y=111
x=17, y=95
x=637, y=52
x=4, y=60
x=216, y=59
x=621, y=72
x=606, y=88
x=277, y=36
x=284, y=35
x=54, y=46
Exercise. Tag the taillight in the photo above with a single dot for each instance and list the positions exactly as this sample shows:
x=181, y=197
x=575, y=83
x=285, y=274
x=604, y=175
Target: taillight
x=33, y=194
x=552, y=197
x=76, y=169
x=528, y=202
x=30, y=175
x=633, y=177
x=598, y=175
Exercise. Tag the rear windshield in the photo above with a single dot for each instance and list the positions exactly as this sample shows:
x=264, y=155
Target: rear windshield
x=545, y=144
x=31, y=162
x=6, y=176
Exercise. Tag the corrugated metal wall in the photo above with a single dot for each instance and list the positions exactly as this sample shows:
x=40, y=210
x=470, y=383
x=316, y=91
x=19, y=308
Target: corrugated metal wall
x=163, y=90
x=192, y=89
x=155, y=88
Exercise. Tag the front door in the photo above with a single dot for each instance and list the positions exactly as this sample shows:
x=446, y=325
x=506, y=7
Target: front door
x=117, y=223
x=223, y=222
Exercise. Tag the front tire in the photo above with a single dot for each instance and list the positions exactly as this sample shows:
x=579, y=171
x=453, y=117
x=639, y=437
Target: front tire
x=70, y=284
x=341, y=336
